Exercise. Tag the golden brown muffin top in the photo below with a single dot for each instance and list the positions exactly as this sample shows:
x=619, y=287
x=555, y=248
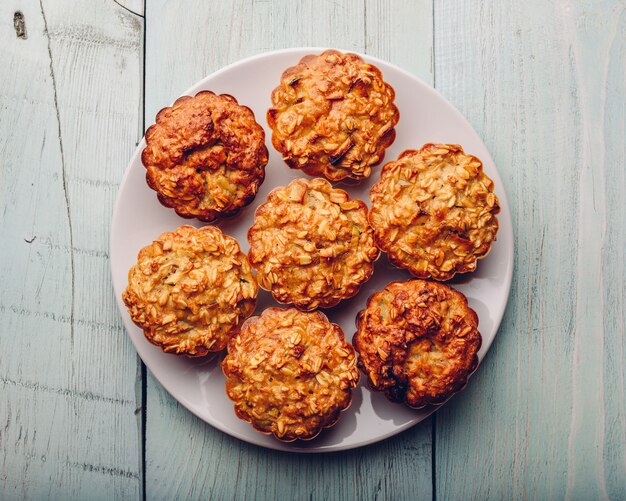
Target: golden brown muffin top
x=290, y=373
x=190, y=290
x=417, y=341
x=333, y=115
x=311, y=245
x=434, y=211
x=205, y=156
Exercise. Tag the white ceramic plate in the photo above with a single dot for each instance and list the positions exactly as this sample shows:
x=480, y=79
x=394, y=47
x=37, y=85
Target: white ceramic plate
x=138, y=218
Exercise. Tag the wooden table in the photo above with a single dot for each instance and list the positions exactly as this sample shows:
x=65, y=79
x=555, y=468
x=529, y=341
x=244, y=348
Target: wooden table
x=543, y=83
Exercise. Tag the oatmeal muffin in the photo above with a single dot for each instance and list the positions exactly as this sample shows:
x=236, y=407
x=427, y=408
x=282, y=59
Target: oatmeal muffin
x=434, y=211
x=417, y=341
x=333, y=115
x=190, y=290
x=311, y=245
x=290, y=373
x=205, y=156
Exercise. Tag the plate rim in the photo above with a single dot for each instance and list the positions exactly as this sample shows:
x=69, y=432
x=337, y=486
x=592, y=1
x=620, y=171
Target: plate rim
x=293, y=447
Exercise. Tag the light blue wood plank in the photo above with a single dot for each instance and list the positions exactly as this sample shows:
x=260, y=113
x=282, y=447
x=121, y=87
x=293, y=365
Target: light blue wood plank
x=543, y=83
x=613, y=126
x=69, y=121
x=186, y=458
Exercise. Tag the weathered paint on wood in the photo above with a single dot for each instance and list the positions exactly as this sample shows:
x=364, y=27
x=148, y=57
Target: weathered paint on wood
x=70, y=94
x=188, y=459
x=185, y=458
x=545, y=416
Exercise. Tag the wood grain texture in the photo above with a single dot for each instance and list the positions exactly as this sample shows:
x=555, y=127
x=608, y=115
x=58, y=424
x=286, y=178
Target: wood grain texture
x=186, y=458
x=70, y=95
x=543, y=83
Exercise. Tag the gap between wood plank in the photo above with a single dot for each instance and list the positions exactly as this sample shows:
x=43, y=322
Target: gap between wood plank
x=144, y=393
x=432, y=51
x=365, y=26
x=144, y=371
x=433, y=452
